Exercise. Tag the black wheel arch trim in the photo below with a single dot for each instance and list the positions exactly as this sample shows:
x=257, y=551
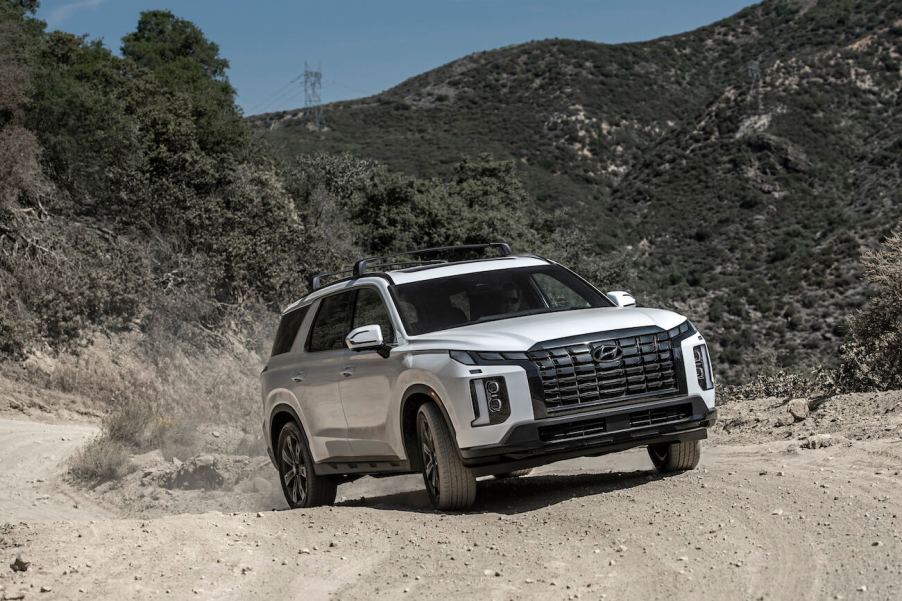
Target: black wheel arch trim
x=423, y=389
x=284, y=408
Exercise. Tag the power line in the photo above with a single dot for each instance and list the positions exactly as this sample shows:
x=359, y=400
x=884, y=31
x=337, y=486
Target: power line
x=277, y=95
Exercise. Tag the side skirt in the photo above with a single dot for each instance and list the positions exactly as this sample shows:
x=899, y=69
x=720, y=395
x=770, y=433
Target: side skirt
x=370, y=466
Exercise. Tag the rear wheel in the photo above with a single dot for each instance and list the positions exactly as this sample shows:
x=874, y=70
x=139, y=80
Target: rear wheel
x=302, y=487
x=676, y=456
x=513, y=474
x=450, y=484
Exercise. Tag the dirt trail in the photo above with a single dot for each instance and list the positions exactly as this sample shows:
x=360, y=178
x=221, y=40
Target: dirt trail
x=30, y=487
x=756, y=521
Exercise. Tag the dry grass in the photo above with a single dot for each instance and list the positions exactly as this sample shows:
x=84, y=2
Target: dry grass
x=152, y=398
x=154, y=387
x=99, y=461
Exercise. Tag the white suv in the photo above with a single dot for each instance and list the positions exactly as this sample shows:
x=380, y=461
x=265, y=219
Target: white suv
x=466, y=368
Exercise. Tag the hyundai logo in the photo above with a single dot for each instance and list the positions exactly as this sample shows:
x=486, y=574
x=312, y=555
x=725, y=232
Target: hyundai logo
x=607, y=351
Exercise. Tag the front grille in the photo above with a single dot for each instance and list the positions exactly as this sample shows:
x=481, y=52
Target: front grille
x=583, y=429
x=663, y=415
x=621, y=368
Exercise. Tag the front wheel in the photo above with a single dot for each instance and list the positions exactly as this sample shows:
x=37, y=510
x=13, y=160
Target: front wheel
x=301, y=485
x=450, y=484
x=675, y=456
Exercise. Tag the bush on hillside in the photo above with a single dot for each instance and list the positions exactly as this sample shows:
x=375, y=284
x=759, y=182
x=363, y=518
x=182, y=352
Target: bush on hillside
x=873, y=354
x=99, y=461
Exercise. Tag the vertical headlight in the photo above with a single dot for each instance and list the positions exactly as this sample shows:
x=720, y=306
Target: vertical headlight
x=703, y=367
x=490, y=401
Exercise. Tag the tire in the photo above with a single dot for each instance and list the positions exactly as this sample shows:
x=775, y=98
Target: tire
x=450, y=484
x=513, y=474
x=676, y=456
x=301, y=486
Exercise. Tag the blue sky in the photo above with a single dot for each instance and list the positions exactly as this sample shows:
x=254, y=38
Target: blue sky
x=366, y=46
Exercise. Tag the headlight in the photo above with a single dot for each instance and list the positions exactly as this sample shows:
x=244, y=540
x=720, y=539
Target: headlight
x=462, y=357
x=703, y=367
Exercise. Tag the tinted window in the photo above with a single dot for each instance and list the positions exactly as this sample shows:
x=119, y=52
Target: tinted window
x=559, y=295
x=371, y=310
x=288, y=329
x=332, y=323
x=460, y=300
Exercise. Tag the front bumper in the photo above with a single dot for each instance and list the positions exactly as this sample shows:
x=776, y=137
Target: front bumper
x=593, y=433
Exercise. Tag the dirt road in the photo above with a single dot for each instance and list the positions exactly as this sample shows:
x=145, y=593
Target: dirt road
x=30, y=487
x=754, y=522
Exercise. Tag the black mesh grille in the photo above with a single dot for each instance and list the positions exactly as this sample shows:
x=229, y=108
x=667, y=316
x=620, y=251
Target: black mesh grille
x=581, y=429
x=605, y=371
x=660, y=416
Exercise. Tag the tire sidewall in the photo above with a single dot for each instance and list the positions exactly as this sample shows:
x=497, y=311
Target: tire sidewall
x=422, y=419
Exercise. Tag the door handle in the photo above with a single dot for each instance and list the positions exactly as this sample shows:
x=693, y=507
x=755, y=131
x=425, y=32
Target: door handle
x=347, y=371
x=298, y=377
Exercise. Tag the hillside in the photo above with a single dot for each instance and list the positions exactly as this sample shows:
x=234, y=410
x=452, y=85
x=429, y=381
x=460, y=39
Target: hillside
x=745, y=165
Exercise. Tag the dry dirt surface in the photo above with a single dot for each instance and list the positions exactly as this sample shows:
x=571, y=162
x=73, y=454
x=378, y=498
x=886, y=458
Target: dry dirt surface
x=769, y=514
x=33, y=455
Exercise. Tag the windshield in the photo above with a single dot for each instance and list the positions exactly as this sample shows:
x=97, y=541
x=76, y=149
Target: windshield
x=469, y=298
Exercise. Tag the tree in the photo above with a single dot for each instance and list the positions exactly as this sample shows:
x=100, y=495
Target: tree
x=496, y=205
x=163, y=40
x=873, y=355
x=186, y=62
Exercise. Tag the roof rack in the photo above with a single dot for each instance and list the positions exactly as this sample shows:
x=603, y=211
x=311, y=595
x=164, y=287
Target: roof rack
x=316, y=281
x=384, y=263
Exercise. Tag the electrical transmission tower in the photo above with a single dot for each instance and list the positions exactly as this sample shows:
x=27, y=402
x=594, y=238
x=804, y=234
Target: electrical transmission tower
x=313, y=81
x=754, y=71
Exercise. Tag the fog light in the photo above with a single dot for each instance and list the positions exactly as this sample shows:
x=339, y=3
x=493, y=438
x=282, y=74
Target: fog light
x=490, y=402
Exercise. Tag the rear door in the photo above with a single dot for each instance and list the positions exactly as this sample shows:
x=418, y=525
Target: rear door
x=367, y=384
x=316, y=384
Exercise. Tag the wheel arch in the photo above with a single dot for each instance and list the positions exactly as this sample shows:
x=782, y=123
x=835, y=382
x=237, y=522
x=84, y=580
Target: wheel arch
x=280, y=415
x=414, y=397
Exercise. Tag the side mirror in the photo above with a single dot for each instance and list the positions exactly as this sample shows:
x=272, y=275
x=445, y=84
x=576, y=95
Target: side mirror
x=621, y=298
x=367, y=338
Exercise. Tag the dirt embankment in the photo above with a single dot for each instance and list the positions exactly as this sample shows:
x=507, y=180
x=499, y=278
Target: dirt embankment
x=768, y=515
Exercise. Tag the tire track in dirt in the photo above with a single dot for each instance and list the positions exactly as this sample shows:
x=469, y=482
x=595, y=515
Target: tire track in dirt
x=755, y=521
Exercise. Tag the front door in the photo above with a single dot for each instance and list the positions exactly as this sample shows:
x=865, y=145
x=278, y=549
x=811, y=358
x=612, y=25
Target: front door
x=367, y=383
x=319, y=376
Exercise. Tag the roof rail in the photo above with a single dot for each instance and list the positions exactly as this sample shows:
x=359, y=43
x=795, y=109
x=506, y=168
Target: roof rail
x=361, y=266
x=316, y=281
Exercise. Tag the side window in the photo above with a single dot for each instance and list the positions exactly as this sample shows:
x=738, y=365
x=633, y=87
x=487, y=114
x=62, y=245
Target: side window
x=371, y=310
x=332, y=323
x=288, y=329
x=558, y=294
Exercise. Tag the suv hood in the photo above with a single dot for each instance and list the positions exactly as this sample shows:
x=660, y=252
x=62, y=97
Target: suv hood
x=521, y=333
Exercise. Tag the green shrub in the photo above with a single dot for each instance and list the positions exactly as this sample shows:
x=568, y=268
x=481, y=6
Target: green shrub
x=872, y=358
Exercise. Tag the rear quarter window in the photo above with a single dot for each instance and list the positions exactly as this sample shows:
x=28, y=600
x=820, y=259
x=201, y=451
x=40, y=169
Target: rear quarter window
x=288, y=330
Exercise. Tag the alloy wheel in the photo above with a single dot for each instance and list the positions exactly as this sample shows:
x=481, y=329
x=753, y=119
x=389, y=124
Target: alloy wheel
x=430, y=465
x=294, y=470
x=659, y=452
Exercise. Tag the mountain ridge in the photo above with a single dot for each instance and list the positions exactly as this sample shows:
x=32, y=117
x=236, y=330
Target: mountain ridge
x=744, y=165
